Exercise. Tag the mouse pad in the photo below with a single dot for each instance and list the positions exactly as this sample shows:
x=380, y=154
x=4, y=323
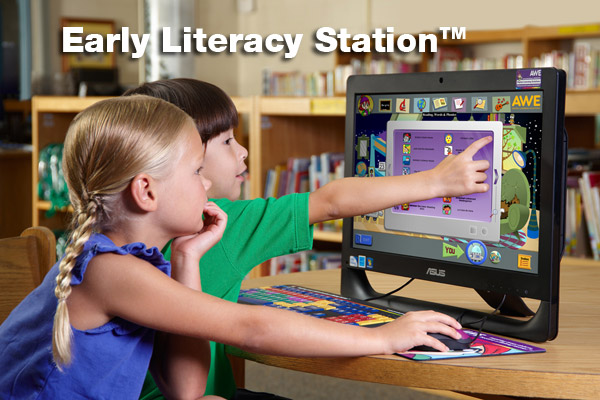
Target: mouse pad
x=484, y=345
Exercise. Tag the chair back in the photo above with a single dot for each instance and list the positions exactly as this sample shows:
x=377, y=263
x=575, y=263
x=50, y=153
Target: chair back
x=24, y=261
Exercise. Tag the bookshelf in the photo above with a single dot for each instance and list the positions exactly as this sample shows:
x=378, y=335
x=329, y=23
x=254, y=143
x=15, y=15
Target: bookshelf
x=294, y=127
x=285, y=127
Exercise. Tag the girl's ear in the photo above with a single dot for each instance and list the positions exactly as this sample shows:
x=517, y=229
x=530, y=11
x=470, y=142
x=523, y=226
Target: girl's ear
x=143, y=192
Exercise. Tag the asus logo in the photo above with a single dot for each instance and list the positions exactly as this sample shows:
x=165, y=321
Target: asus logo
x=436, y=272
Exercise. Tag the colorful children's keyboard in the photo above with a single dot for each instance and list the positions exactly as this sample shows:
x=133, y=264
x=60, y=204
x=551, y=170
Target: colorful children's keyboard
x=319, y=304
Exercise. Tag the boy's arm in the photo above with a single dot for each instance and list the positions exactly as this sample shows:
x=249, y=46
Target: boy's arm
x=456, y=175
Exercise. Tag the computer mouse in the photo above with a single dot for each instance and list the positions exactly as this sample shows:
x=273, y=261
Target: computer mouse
x=453, y=344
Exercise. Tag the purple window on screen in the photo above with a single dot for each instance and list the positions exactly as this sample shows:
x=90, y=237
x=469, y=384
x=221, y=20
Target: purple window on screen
x=428, y=148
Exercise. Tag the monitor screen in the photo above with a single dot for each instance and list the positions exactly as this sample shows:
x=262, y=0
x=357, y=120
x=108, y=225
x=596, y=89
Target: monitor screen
x=506, y=240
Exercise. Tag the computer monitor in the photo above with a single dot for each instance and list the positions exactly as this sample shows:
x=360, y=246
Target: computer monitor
x=506, y=243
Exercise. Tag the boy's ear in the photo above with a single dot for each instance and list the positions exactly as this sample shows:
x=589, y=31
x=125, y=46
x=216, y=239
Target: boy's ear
x=143, y=192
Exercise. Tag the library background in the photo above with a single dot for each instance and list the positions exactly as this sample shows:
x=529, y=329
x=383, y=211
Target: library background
x=292, y=115
x=292, y=111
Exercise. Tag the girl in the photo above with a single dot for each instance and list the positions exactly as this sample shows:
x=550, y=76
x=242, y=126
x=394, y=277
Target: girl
x=260, y=229
x=133, y=166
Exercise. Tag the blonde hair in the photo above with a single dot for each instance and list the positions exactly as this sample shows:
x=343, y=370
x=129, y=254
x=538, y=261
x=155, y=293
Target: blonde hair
x=106, y=146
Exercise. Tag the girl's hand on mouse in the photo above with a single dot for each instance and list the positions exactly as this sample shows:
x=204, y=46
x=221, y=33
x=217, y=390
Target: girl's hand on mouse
x=412, y=330
x=459, y=175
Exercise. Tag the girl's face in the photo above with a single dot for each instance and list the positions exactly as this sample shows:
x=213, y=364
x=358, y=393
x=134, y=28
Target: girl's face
x=183, y=196
x=225, y=166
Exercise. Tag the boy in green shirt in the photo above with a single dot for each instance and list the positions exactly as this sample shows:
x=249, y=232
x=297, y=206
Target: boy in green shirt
x=260, y=229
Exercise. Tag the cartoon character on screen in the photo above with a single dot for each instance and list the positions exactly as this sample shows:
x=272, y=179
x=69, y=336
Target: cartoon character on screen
x=514, y=201
x=378, y=150
x=365, y=105
x=520, y=158
x=446, y=209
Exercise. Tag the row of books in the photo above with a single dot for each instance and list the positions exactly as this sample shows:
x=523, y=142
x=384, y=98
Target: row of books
x=377, y=66
x=304, y=174
x=301, y=175
x=295, y=83
x=582, y=222
x=582, y=64
x=305, y=261
x=328, y=83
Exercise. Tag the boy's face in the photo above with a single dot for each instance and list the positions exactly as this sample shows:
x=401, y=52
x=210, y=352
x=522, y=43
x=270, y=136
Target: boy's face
x=224, y=165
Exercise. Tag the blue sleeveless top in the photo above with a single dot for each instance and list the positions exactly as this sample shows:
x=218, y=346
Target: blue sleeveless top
x=108, y=362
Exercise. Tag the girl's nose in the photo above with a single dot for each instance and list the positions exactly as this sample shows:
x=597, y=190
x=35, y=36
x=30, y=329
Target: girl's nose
x=207, y=183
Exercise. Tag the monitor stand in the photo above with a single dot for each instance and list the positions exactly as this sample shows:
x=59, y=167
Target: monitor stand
x=542, y=326
x=512, y=306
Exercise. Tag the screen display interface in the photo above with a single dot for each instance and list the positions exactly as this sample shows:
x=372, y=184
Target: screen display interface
x=401, y=134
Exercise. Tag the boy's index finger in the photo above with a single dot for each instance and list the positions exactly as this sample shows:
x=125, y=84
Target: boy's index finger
x=477, y=145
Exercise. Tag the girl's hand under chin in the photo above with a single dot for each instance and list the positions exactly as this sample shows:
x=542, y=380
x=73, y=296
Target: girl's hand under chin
x=197, y=244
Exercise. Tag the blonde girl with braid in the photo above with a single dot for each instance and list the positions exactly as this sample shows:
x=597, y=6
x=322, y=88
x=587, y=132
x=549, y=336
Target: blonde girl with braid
x=112, y=307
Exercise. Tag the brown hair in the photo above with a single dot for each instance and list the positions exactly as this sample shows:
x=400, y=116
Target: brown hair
x=210, y=107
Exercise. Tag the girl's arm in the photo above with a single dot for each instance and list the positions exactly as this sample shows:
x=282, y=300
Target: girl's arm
x=134, y=290
x=180, y=364
x=456, y=175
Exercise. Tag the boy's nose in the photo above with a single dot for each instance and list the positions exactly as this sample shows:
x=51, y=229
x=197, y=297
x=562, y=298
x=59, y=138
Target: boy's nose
x=243, y=152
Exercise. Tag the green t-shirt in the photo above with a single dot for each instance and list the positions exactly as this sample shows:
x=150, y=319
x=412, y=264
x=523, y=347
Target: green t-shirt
x=257, y=230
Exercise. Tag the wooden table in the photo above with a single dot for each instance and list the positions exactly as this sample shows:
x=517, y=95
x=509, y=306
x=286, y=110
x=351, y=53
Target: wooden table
x=569, y=369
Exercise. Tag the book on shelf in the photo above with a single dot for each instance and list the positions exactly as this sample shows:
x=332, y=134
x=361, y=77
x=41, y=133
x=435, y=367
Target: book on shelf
x=446, y=59
x=301, y=174
x=589, y=186
x=303, y=261
x=582, y=65
x=513, y=61
x=295, y=83
x=577, y=243
x=453, y=60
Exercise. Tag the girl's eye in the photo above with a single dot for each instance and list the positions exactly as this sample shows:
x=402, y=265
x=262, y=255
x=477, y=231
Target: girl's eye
x=228, y=141
x=199, y=171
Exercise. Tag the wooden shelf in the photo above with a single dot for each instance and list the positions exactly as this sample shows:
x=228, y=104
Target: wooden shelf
x=328, y=236
x=302, y=106
x=582, y=102
x=22, y=106
x=63, y=104
x=493, y=36
x=44, y=205
x=244, y=105
x=293, y=127
x=563, y=32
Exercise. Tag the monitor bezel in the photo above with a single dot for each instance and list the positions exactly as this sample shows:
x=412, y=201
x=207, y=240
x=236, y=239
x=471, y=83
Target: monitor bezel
x=545, y=284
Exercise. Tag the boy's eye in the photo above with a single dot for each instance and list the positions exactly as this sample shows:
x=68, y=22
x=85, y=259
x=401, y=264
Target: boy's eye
x=228, y=141
x=199, y=171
